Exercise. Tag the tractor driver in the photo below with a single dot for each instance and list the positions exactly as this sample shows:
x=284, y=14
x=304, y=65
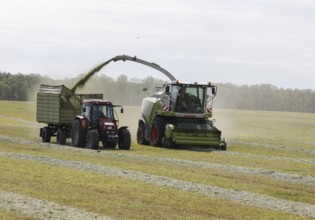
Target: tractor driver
x=97, y=113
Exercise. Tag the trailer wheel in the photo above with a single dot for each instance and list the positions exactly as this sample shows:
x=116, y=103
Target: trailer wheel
x=157, y=131
x=61, y=136
x=124, y=139
x=46, y=134
x=92, y=139
x=141, y=135
x=77, y=134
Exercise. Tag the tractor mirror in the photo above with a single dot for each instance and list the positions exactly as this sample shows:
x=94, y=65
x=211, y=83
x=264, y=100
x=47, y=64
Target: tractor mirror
x=121, y=110
x=167, y=89
x=214, y=91
x=84, y=109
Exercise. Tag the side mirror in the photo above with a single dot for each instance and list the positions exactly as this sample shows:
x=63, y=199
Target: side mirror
x=121, y=110
x=214, y=91
x=84, y=109
x=167, y=89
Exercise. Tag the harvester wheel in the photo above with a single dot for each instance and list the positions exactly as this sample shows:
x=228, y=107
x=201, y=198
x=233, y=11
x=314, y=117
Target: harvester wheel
x=61, y=136
x=141, y=135
x=223, y=146
x=124, y=139
x=77, y=134
x=157, y=131
x=168, y=143
x=46, y=134
x=92, y=139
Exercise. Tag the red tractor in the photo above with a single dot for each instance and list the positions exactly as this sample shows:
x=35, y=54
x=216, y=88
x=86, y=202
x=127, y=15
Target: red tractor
x=96, y=123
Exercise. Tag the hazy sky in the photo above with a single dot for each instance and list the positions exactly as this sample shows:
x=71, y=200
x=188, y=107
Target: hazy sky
x=242, y=42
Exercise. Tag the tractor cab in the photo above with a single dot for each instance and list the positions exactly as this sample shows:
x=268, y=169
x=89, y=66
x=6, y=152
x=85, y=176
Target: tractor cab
x=93, y=110
x=98, y=123
x=189, y=98
x=100, y=114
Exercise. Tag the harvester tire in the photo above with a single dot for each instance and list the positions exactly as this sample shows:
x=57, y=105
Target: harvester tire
x=92, y=139
x=46, y=134
x=77, y=134
x=223, y=146
x=168, y=143
x=141, y=135
x=157, y=131
x=61, y=136
x=124, y=139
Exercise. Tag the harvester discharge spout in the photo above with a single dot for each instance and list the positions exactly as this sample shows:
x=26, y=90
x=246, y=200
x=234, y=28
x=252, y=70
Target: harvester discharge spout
x=96, y=69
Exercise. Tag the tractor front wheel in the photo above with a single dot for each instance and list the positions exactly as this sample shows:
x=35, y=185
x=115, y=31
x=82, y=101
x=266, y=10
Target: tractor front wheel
x=92, y=139
x=124, y=139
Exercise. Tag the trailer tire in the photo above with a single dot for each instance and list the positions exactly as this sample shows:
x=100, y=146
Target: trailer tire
x=46, y=136
x=157, y=131
x=92, y=139
x=61, y=136
x=77, y=134
x=141, y=135
x=124, y=139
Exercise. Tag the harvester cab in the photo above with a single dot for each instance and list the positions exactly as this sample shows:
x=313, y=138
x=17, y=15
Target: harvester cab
x=188, y=98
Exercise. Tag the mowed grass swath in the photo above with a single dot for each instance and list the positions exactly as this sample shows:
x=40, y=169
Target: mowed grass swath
x=260, y=140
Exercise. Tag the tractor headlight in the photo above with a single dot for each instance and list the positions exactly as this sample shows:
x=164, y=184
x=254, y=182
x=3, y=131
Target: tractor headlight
x=109, y=126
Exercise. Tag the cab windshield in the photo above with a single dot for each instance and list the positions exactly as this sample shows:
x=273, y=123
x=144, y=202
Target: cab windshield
x=94, y=112
x=188, y=98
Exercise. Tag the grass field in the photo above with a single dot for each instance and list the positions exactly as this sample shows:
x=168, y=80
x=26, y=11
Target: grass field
x=268, y=172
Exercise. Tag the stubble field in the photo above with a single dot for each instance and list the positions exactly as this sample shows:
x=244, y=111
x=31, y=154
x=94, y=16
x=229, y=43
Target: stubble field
x=268, y=172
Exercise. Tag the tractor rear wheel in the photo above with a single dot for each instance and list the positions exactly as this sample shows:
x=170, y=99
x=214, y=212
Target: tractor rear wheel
x=93, y=139
x=124, y=139
x=61, y=136
x=46, y=134
x=77, y=134
x=141, y=135
x=157, y=131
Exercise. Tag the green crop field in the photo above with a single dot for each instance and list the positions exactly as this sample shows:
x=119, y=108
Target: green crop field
x=268, y=172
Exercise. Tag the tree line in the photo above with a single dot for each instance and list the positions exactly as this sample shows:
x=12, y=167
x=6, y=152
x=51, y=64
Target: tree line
x=131, y=91
x=265, y=97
